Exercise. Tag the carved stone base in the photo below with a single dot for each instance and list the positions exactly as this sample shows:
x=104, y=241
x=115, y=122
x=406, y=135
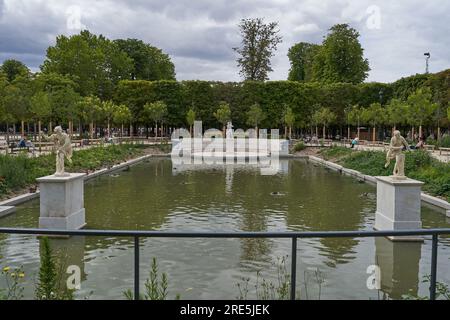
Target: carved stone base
x=62, y=202
x=398, y=206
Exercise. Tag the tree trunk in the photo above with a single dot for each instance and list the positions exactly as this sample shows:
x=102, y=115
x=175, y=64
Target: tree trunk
x=109, y=128
x=374, y=134
x=438, y=138
x=290, y=133
x=7, y=137
x=156, y=131
x=22, y=130
x=39, y=136
x=50, y=129
x=91, y=130
x=420, y=132
x=317, y=132
x=323, y=133
x=348, y=133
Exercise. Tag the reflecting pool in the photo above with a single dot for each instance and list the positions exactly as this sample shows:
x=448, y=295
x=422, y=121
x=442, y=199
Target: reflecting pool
x=155, y=195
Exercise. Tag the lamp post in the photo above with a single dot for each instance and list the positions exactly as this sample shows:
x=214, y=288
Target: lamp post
x=427, y=55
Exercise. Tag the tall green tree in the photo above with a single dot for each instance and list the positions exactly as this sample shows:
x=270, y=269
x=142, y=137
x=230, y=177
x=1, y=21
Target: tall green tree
x=41, y=110
x=122, y=115
x=301, y=57
x=94, y=62
x=374, y=115
x=223, y=114
x=149, y=63
x=108, y=110
x=255, y=116
x=14, y=68
x=397, y=112
x=325, y=117
x=289, y=120
x=340, y=58
x=190, y=119
x=354, y=116
x=421, y=108
x=89, y=109
x=155, y=112
x=258, y=46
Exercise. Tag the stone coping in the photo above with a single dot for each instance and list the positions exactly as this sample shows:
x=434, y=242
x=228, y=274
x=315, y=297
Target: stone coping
x=399, y=182
x=61, y=179
x=6, y=210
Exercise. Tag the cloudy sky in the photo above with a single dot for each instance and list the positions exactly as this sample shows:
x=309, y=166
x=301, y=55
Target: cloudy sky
x=199, y=34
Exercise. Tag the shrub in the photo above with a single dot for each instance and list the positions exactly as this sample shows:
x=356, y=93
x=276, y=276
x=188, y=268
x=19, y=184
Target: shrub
x=299, y=146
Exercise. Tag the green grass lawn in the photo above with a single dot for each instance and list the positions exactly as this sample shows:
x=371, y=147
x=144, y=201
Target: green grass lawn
x=419, y=165
x=17, y=172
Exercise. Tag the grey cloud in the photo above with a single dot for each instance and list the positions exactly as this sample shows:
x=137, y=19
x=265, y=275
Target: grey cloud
x=199, y=35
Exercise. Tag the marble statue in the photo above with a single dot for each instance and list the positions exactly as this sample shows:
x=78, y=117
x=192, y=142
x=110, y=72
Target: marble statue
x=395, y=151
x=63, y=147
x=229, y=134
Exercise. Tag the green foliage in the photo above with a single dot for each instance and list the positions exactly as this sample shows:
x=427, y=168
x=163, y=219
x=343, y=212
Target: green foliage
x=255, y=115
x=19, y=171
x=190, y=117
x=223, y=113
x=420, y=107
x=301, y=56
x=397, y=112
x=13, y=69
x=94, y=62
x=419, y=165
x=13, y=279
x=41, y=108
x=299, y=146
x=259, y=42
x=374, y=114
x=49, y=285
x=267, y=289
x=149, y=63
x=122, y=114
x=335, y=152
x=155, y=286
x=155, y=111
x=442, y=291
x=340, y=58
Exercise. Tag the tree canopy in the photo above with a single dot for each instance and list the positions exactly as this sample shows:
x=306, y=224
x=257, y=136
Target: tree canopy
x=259, y=42
x=149, y=63
x=340, y=58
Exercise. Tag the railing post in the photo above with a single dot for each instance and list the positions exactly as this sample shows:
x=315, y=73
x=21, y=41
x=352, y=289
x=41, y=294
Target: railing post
x=293, y=268
x=136, y=268
x=434, y=253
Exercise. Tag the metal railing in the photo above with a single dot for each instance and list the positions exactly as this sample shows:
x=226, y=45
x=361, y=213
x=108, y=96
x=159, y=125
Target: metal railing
x=294, y=236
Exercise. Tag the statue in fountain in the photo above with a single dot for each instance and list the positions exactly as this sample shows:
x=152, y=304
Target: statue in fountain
x=395, y=151
x=229, y=133
x=63, y=147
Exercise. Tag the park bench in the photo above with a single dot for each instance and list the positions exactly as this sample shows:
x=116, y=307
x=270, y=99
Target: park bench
x=429, y=147
x=444, y=151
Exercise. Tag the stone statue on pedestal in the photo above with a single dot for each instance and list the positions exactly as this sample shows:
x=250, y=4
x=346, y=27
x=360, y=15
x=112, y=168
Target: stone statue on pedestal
x=63, y=148
x=229, y=133
x=395, y=151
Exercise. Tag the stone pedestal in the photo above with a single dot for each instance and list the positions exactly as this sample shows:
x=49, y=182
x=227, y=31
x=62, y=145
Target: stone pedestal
x=62, y=202
x=398, y=206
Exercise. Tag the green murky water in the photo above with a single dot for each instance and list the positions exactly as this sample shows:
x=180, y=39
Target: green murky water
x=157, y=196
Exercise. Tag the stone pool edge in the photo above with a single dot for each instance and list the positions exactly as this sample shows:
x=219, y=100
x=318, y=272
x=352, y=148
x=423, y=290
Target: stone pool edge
x=31, y=196
x=435, y=202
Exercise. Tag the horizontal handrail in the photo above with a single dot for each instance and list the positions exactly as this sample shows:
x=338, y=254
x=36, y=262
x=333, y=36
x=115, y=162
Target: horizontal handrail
x=171, y=234
x=294, y=236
